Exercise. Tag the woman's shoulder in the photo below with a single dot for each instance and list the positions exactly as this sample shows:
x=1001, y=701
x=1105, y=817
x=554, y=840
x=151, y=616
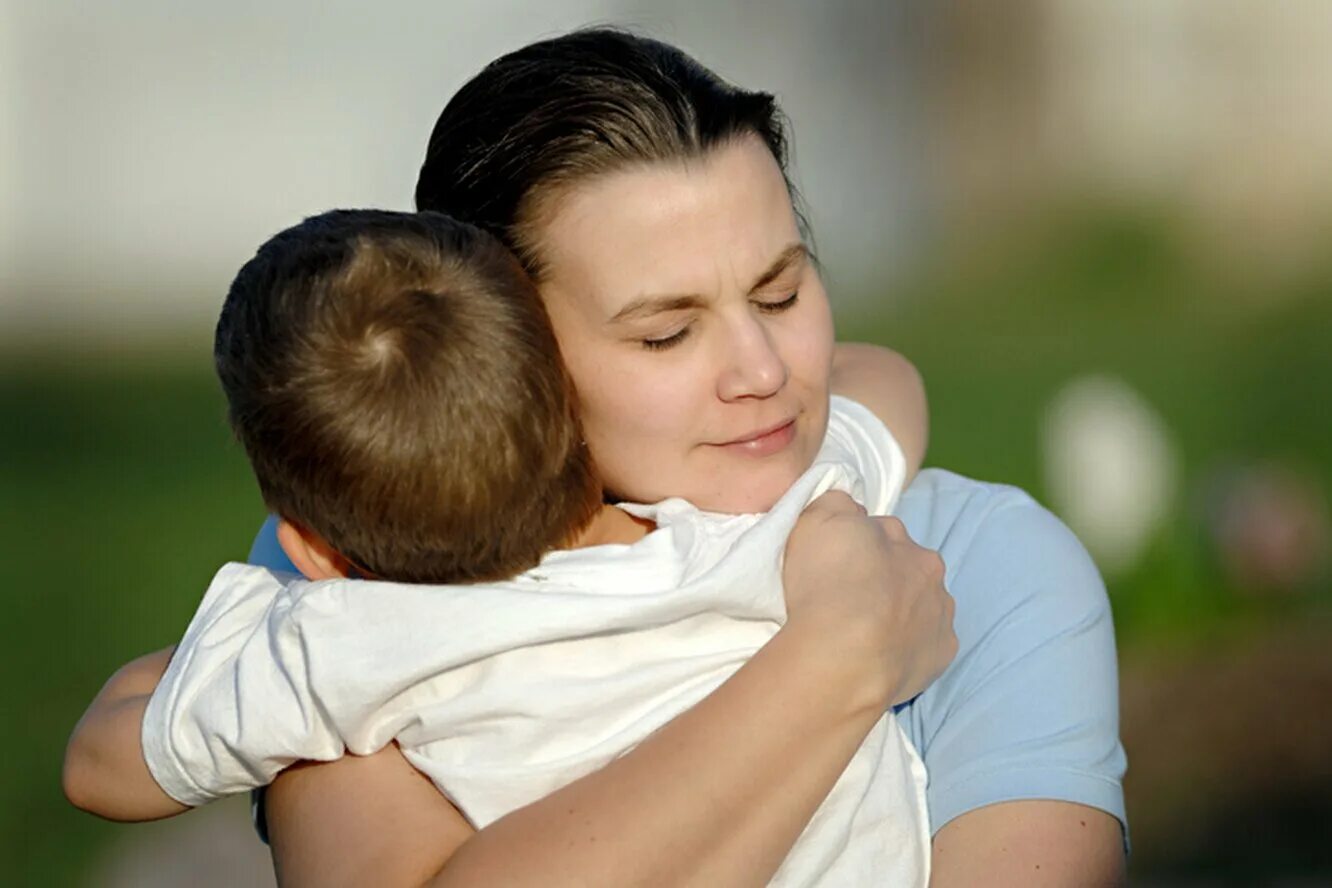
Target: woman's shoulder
x=939, y=500
x=1001, y=547
x=1028, y=708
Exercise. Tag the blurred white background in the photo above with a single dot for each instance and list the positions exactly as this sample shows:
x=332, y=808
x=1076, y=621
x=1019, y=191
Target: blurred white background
x=150, y=145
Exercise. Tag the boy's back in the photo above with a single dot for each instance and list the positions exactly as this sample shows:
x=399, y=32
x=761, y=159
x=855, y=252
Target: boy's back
x=503, y=692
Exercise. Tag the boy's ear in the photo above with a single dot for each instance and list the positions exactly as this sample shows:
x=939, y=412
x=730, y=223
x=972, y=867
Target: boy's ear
x=311, y=555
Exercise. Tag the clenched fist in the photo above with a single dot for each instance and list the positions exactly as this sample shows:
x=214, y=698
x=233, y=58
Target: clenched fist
x=875, y=597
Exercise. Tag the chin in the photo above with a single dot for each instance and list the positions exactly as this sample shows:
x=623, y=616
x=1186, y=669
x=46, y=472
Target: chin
x=754, y=494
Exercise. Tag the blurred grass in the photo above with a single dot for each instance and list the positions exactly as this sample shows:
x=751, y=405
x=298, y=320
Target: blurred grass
x=121, y=491
x=122, y=494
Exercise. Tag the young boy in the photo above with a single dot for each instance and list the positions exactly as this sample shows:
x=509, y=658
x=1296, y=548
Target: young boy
x=398, y=391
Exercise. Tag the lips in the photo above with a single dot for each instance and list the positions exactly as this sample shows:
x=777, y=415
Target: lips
x=764, y=442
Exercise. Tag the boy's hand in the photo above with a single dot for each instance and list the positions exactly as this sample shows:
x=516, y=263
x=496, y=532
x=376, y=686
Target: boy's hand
x=872, y=597
x=104, y=771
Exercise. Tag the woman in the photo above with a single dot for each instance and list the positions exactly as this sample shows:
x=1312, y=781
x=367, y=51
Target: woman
x=648, y=200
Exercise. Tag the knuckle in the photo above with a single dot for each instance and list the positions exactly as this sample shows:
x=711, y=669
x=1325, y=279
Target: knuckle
x=892, y=526
x=836, y=501
x=934, y=565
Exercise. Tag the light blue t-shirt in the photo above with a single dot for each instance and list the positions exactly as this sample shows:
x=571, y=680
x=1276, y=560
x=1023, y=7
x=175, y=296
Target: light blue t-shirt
x=1029, y=708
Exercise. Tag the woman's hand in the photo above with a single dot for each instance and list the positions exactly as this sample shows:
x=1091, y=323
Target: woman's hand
x=876, y=597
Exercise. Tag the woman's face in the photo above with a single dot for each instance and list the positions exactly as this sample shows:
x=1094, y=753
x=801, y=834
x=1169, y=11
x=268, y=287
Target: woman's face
x=695, y=327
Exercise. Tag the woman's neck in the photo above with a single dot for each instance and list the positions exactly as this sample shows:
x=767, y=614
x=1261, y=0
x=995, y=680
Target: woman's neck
x=611, y=525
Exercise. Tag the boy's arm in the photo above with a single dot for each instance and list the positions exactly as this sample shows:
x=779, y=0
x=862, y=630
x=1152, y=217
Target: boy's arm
x=104, y=771
x=890, y=387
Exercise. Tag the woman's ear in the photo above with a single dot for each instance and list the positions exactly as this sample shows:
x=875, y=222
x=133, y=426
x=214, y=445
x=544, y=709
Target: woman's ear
x=309, y=552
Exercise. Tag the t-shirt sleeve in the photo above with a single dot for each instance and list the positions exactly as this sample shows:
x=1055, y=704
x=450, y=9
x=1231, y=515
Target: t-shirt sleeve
x=859, y=439
x=235, y=706
x=1029, y=708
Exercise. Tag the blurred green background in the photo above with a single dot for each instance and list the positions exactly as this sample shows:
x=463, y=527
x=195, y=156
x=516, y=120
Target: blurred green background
x=1038, y=248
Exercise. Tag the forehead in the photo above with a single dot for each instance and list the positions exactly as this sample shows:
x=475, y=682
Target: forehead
x=697, y=226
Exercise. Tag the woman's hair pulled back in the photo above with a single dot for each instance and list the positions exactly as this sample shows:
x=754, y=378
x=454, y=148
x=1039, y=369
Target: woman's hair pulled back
x=561, y=111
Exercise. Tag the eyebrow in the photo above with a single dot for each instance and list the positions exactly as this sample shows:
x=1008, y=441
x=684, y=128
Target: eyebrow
x=785, y=259
x=647, y=306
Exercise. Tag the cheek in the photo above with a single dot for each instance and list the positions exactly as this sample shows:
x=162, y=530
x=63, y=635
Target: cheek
x=638, y=410
x=633, y=415
x=808, y=344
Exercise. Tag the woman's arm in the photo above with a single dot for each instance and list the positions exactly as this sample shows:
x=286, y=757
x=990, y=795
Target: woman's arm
x=1036, y=843
x=678, y=810
x=717, y=796
x=224, y=714
x=1020, y=734
x=104, y=771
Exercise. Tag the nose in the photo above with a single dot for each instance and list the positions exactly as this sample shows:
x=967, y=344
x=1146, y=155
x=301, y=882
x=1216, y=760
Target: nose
x=752, y=366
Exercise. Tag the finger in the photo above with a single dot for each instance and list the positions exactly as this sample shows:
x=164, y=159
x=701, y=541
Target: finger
x=892, y=527
x=836, y=501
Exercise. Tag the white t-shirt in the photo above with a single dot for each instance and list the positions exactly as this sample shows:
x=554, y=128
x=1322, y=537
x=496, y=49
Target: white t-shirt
x=504, y=692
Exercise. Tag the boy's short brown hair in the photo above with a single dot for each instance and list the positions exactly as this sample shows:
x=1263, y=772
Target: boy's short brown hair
x=396, y=384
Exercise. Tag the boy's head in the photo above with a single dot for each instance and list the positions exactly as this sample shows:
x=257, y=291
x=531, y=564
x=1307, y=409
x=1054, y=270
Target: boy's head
x=396, y=384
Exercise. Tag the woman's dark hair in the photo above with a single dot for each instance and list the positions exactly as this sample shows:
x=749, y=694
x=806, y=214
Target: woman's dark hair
x=559, y=111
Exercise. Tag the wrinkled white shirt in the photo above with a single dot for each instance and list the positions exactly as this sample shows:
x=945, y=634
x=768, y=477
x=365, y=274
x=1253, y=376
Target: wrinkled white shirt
x=504, y=692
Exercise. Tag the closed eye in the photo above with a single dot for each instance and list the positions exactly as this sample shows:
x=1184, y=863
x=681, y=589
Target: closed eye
x=778, y=307
x=666, y=342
